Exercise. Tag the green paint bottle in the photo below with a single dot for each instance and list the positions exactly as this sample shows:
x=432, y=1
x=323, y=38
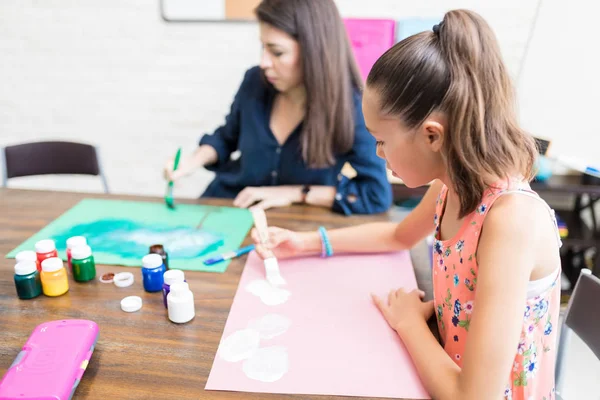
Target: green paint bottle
x=27, y=280
x=82, y=261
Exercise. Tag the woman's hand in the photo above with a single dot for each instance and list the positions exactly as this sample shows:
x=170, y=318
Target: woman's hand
x=281, y=243
x=185, y=168
x=268, y=196
x=403, y=309
x=203, y=155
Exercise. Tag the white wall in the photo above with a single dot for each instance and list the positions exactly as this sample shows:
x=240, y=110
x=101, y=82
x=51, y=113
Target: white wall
x=560, y=83
x=112, y=73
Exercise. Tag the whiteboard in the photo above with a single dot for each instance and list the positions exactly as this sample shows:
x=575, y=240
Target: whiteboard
x=208, y=10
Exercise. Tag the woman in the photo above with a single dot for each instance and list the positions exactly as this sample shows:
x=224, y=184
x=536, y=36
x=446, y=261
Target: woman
x=296, y=120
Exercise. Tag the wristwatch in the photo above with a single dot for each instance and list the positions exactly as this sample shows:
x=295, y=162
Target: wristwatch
x=305, y=190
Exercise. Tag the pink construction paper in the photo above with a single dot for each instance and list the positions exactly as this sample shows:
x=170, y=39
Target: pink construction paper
x=370, y=38
x=338, y=342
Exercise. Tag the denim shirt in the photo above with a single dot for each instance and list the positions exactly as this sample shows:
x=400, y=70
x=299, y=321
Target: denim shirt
x=264, y=162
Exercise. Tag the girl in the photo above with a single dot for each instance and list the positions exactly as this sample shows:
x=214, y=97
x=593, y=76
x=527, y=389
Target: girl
x=296, y=120
x=440, y=105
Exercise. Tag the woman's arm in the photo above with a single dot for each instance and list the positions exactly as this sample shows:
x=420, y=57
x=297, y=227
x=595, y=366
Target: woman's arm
x=369, y=192
x=202, y=156
x=216, y=148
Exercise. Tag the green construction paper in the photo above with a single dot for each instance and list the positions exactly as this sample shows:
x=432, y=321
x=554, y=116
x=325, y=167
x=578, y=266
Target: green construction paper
x=121, y=232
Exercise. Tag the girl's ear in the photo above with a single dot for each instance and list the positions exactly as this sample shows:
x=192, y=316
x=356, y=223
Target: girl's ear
x=433, y=133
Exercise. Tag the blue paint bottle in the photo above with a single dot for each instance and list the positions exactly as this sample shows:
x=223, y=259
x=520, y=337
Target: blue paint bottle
x=153, y=269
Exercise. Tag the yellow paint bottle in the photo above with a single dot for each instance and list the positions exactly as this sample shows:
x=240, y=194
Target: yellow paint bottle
x=54, y=277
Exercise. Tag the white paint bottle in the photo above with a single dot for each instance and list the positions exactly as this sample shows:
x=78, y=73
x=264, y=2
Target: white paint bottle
x=180, y=302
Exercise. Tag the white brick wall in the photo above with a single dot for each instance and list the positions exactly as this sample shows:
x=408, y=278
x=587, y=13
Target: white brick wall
x=112, y=73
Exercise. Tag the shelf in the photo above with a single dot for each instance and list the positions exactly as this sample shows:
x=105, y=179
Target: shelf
x=579, y=233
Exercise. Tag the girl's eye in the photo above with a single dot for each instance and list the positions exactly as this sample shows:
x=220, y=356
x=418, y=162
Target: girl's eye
x=379, y=143
x=277, y=54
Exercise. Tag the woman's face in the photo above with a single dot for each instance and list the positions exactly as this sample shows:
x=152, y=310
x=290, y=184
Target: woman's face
x=281, y=60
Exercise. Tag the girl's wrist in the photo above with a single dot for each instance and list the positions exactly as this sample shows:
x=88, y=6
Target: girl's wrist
x=311, y=242
x=407, y=325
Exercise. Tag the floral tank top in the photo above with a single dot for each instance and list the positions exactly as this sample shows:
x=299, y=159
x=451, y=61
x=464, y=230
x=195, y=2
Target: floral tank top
x=455, y=283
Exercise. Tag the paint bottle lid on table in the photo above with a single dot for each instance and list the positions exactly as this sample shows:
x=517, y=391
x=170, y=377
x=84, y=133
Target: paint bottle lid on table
x=131, y=304
x=107, y=278
x=52, y=264
x=76, y=241
x=123, y=279
x=81, y=252
x=25, y=267
x=27, y=255
x=173, y=275
x=45, y=246
x=152, y=261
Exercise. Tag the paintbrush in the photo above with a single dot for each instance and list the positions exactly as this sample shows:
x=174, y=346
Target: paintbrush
x=229, y=255
x=169, y=194
x=271, y=264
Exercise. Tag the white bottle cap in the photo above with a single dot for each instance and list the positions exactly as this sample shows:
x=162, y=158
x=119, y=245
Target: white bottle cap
x=45, y=246
x=173, y=275
x=52, y=264
x=26, y=255
x=123, y=279
x=76, y=241
x=25, y=267
x=152, y=261
x=81, y=252
x=179, y=288
x=131, y=304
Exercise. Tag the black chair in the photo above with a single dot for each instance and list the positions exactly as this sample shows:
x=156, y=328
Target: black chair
x=44, y=158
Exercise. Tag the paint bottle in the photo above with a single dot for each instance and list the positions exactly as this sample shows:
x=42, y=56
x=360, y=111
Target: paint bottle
x=180, y=303
x=45, y=249
x=82, y=260
x=27, y=280
x=28, y=255
x=73, y=242
x=54, y=277
x=153, y=270
x=170, y=277
x=160, y=250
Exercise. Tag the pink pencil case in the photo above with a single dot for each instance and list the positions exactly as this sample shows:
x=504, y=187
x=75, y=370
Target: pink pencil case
x=52, y=361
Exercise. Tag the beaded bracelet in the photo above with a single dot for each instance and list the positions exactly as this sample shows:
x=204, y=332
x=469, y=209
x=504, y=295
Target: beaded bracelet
x=326, y=249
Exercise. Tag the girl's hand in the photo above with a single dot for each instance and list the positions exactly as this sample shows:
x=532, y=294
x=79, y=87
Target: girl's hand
x=403, y=309
x=281, y=243
x=268, y=196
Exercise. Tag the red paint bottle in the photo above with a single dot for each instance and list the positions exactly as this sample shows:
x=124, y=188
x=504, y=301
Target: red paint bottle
x=45, y=249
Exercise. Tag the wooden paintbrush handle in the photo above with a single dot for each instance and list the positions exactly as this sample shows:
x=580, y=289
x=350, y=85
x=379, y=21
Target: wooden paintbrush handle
x=260, y=222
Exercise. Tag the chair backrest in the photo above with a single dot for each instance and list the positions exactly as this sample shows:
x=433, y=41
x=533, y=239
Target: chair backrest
x=581, y=317
x=43, y=158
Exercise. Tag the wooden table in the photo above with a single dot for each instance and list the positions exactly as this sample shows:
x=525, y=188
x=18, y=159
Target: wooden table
x=140, y=355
